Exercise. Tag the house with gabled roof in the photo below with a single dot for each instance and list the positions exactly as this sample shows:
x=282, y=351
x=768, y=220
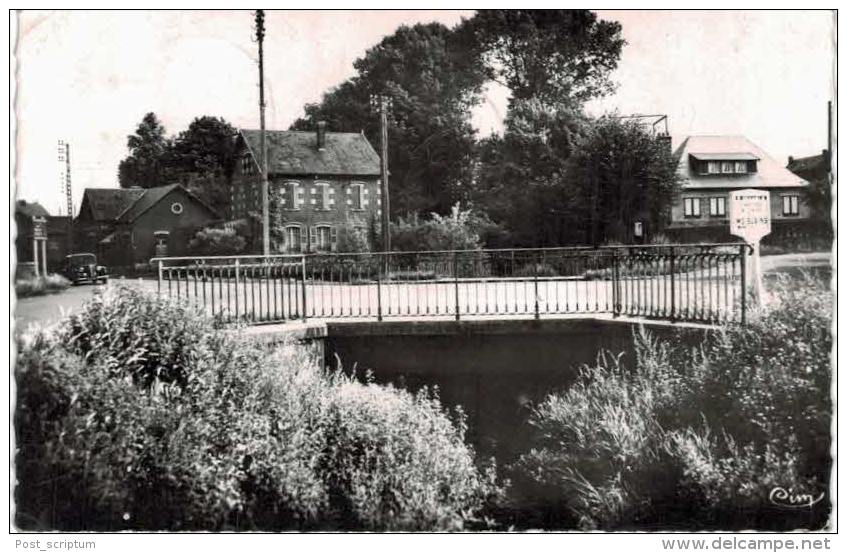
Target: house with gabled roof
x=129, y=226
x=319, y=183
x=713, y=166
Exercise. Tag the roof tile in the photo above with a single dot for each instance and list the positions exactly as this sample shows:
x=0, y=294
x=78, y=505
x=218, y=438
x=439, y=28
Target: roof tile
x=296, y=153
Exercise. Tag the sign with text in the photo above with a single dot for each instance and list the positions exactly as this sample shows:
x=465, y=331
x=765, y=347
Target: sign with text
x=750, y=214
x=39, y=228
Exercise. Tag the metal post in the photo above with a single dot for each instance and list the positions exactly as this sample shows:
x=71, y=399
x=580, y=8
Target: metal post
x=159, y=288
x=535, y=280
x=303, y=269
x=743, y=251
x=615, y=280
x=237, y=281
x=456, y=280
x=673, y=286
x=379, y=290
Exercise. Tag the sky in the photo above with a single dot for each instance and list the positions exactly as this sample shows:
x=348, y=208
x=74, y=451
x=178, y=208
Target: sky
x=89, y=77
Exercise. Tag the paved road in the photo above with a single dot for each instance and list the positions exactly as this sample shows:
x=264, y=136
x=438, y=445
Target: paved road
x=335, y=299
x=52, y=307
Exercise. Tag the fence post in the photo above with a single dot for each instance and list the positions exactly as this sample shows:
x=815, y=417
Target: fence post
x=535, y=283
x=303, y=283
x=456, y=280
x=615, y=283
x=743, y=252
x=159, y=289
x=673, y=285
x=379, y=288
x=237, y=281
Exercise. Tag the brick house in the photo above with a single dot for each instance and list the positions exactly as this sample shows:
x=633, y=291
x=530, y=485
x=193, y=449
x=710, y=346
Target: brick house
x=319, y=183
x=711, y=167
x=128, y=226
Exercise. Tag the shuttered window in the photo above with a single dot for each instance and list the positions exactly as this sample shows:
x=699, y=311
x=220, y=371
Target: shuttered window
x=321, y=192
x=293, y=239
x=291, y=197
x=356, y=195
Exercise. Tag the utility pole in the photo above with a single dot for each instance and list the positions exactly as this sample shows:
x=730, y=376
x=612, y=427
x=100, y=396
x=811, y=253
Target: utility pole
x=64, y=159
x=382, y=104
x=266, y=226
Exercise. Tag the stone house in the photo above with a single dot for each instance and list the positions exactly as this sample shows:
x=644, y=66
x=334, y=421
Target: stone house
x=319, y=183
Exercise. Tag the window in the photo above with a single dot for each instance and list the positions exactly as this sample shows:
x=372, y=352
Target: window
x=321, y=192
x=247, y=165
x=293, y=239
x=290, y=199
x=791, y=205
x=727, y=167
x=740, y=166
x=717, y=207
x=323, y=241
x=713, y=167
x=691, y=207
x=176, y=208
x=355, y=192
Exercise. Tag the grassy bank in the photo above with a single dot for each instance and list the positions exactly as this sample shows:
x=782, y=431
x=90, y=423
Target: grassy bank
x=710, y=438
x=139, y=413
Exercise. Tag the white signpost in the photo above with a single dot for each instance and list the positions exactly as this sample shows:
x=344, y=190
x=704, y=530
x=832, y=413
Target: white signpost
x=750, y=219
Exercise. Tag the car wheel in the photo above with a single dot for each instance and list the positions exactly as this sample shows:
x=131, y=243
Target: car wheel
x=104, y=280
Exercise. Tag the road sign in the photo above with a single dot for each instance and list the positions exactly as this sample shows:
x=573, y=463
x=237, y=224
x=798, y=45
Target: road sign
x=750, y=218
x=750, y=214
x=39, y=228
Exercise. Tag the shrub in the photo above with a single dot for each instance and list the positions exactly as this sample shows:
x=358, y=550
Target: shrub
x=139, y=413
x=38, y=286
x=536, y=269
x=457, y=231
x=695, y=439
x=352, y=240
x=216, y=241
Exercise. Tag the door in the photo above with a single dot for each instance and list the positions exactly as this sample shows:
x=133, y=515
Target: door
x=161, y=243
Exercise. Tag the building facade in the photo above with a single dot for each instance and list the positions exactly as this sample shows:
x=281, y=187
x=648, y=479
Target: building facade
x=321, y=184
x=129, y=226
x=713, y=166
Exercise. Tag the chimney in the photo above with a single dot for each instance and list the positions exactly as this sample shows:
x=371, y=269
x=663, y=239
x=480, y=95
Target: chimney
x=321, y=135
x=790, y=160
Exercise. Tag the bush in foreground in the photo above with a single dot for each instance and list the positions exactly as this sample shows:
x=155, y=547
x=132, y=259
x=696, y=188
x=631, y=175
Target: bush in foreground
x=139, y=413
x=697, y=439
x=38, y=286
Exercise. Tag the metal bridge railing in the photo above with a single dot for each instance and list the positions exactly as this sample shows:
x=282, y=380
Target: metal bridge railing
x=702, y=283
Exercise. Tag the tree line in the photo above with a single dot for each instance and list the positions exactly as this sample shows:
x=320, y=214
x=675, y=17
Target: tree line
x=555, y=176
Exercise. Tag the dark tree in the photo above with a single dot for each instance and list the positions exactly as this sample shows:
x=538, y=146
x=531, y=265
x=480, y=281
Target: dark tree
x=203, y=156
x=433, y=83
x=624, y=173
x=522, y=182
x=145, y=166
x=553, y=56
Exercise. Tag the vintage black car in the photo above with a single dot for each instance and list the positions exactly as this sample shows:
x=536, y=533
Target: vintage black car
x=83, y=267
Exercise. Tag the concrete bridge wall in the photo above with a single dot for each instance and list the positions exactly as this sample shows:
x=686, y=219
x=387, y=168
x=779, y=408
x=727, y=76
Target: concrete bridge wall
x=495, y=369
